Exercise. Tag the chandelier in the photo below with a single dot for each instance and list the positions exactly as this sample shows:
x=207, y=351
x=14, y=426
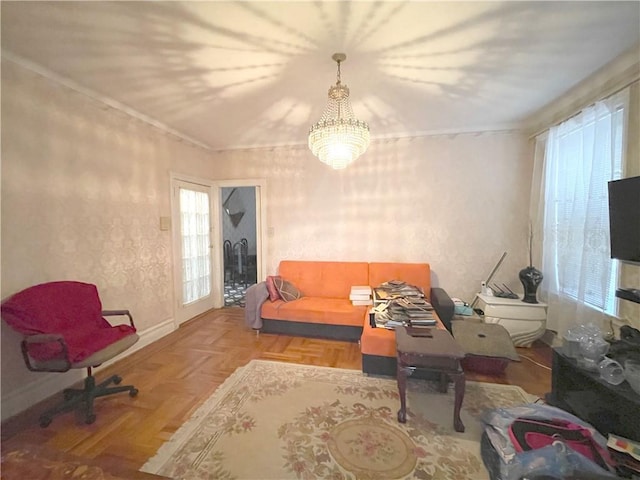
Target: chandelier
x=338, y=138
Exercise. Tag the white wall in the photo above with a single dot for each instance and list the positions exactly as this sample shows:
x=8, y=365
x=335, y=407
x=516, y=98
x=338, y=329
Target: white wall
x=455, y=201
x=83, y=188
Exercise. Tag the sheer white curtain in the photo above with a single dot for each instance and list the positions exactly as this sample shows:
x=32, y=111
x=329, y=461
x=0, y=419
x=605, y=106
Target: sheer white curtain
x=580, y=156
x=196, y=272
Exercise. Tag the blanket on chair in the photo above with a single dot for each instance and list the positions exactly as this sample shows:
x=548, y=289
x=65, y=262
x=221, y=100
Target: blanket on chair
x=70, y=309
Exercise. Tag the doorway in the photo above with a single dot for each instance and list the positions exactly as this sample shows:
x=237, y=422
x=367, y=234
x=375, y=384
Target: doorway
x=239, y=242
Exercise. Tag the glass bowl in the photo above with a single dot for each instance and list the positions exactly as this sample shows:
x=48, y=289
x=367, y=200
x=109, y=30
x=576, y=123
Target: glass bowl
x=592, y=349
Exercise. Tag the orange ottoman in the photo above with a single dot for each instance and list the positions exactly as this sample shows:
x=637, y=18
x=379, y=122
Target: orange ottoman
x=378, y=348
x=378, y=345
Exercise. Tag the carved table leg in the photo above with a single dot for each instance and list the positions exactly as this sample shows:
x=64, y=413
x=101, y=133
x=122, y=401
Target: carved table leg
x=459, y=382
x=401, y=375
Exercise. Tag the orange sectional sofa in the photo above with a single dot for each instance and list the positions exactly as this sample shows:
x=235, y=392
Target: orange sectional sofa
x=326, y=311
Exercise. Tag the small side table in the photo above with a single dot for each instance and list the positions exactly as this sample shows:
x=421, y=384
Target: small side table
x=525, y=322
x=437, y=351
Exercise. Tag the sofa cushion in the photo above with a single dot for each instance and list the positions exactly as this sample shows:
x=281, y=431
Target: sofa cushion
x=333, y=311
x=324, y=279
x=377, y=341
x=287, y=290
x=271, y=288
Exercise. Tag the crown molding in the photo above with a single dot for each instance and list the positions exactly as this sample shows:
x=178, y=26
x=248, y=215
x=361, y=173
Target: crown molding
x=109, y=102
x=382, y=139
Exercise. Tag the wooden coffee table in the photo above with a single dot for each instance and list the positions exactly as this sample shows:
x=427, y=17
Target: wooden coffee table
x=436, y=351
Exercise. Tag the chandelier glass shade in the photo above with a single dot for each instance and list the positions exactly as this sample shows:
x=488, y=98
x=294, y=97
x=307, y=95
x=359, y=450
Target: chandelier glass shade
x=338, y=138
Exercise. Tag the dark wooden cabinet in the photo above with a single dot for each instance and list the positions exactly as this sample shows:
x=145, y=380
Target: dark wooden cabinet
x=609, y=408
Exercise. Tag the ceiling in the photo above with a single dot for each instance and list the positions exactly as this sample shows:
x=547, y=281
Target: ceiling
x=234, y=74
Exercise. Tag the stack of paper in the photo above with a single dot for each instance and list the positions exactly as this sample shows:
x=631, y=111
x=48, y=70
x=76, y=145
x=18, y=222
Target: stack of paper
x=360, y=295
x=625, y=452
x=396, y=289
x=384, y=320
x=413, y=311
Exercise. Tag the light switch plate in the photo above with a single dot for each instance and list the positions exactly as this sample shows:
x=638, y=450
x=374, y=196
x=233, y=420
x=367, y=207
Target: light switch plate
x=165, y=223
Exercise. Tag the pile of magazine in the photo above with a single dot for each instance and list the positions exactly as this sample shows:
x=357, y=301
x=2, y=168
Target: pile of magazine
x=417, y=312
x=395, y=289
x=384, y=318
x=398, y=303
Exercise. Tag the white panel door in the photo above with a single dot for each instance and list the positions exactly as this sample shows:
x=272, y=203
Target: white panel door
x=192, y=234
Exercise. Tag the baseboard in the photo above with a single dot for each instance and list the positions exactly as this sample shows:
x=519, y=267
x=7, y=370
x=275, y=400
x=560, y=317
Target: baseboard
x=45, y=383
x=147, y=337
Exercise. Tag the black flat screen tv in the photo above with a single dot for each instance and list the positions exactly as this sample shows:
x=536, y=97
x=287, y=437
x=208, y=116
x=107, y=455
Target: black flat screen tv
x=624, y=219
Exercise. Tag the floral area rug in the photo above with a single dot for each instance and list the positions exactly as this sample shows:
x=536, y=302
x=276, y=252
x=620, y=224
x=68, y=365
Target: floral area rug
x=272, y=420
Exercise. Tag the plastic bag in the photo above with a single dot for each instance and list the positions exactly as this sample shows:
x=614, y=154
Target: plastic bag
x=558, y=460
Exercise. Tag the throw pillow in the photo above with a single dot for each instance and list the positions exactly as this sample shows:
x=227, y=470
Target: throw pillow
x=287, y=290
x=271, y=288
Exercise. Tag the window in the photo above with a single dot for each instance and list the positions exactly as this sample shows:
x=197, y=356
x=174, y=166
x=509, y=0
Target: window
x=581, y=156
x=196, y=261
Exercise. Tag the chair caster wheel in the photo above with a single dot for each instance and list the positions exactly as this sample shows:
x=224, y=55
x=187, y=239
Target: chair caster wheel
x=90, y=419
x=133, y=393
x=45, y=422
x=117, y=380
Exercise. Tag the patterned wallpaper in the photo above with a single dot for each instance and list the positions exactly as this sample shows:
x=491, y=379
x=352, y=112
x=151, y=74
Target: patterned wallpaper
x=83, y=188
x=455, y=201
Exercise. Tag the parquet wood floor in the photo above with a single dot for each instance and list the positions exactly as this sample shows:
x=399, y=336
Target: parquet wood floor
x=178, y=372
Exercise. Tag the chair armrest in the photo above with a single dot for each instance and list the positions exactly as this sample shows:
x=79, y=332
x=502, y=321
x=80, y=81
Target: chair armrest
x=108, y=313
x=443, y=305
x=60, y=363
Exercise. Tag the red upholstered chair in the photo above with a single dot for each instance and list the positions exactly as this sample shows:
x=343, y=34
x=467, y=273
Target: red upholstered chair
x=64, y=327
